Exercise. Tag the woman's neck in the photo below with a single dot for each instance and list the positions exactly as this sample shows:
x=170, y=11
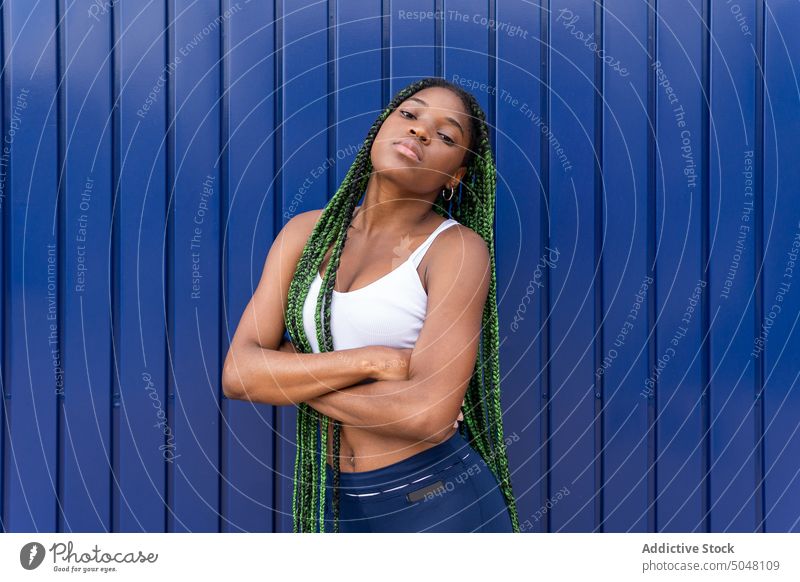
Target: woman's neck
x=386, y=212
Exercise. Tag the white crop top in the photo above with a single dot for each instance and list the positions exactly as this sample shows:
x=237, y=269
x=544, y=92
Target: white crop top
x=389, y=311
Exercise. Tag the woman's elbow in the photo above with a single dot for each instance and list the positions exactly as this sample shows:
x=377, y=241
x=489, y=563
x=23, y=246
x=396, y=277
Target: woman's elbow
x=233, y=381
x=238, y=384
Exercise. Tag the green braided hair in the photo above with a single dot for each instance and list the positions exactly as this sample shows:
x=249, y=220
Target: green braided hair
x=482, y=426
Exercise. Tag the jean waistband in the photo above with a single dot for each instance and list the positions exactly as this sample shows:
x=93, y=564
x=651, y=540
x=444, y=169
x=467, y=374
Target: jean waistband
x=415, y=467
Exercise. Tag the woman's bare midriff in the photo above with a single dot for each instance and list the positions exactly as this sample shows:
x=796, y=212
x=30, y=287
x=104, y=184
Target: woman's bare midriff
x=362, y=450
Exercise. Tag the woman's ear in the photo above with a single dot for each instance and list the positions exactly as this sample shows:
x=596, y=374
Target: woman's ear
x=457, y=175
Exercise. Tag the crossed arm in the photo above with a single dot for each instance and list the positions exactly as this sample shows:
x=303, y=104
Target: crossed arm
x=426, y=404
x=355, y=405
x=420, y=403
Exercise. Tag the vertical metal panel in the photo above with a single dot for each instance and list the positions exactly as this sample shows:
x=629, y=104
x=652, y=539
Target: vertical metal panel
x=521, y=259
x=777, y=332
x=624, y=184
x=87, y=183
x=621, y=368
x=138, y=257
x=571, y=222
x=732, y=196
x=249, y=434
x=356, y=75
x=412, y=42
x=467, y=49
x=195, y=205
x=34, y=359
x=680, y=281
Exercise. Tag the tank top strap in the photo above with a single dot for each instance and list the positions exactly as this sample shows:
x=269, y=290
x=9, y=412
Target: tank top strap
x=419, y=252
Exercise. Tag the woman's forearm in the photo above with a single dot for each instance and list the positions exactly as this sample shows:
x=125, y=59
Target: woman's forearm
x=392, y=408
x=284, y=376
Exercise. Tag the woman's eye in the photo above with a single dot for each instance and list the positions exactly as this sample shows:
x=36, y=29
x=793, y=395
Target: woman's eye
x=447, y=139
x=404, y=112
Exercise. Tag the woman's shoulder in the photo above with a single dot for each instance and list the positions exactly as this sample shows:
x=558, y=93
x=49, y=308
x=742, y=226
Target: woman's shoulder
x=462, y=237
x=460, y=248
x=300, y=226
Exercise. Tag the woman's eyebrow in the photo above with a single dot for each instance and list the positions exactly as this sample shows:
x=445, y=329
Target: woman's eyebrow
x=450, y=119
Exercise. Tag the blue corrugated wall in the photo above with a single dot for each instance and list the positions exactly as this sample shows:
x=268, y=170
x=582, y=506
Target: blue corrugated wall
x=648, y=223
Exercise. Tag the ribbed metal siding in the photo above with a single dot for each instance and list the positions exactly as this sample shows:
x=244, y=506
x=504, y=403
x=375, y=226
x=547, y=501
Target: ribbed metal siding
x=148, y=143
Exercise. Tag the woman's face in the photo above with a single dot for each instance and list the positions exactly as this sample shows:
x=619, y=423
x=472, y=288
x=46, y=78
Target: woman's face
x=432, y=124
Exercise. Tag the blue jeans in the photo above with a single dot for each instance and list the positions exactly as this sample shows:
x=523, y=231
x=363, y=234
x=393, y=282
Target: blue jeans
x=446, y=488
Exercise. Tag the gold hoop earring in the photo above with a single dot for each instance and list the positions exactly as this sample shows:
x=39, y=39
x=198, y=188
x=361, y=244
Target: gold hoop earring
x=451, y=194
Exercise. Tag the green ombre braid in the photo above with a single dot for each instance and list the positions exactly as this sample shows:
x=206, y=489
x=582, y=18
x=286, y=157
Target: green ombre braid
x=483, y=424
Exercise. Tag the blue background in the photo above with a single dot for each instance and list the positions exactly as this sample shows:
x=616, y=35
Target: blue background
x=152, y=151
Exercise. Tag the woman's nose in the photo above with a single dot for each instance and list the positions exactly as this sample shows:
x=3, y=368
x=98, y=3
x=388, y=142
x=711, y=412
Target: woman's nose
x=419, y=133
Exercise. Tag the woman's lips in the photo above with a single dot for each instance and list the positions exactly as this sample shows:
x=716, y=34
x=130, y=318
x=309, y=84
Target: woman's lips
x=406, y=151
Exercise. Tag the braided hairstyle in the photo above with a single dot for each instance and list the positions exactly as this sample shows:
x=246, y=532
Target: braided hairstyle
x=482, y=426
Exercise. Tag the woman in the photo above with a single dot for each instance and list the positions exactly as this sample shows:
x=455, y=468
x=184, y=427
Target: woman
x=385, y=360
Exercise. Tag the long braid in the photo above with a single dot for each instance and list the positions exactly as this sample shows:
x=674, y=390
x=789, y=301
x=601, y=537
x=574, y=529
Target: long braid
x=473, y=207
